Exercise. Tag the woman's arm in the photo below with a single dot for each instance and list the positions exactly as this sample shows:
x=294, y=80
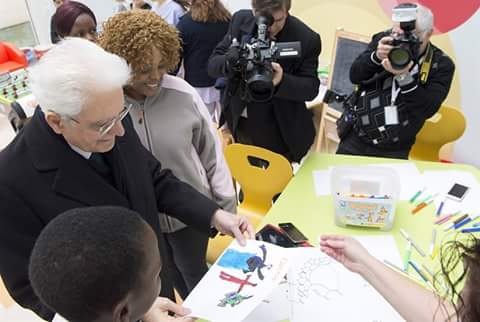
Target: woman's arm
x=410, y=300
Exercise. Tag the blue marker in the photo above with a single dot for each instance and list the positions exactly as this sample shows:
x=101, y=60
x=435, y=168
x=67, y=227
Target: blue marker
x=419, y=272
x=471, y=230
x=465, y=221
x=439, y=210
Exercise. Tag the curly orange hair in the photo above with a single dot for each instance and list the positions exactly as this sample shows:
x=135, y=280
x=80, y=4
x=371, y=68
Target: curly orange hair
x=133, y=34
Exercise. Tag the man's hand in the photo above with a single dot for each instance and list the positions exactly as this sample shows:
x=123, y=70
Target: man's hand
x=383, y=48
x=387, y=65
x=233, y=225
x=346, y=250
x=277, y=74
x=160, y=308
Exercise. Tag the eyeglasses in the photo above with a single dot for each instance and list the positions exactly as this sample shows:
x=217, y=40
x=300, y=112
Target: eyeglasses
x=104, y=128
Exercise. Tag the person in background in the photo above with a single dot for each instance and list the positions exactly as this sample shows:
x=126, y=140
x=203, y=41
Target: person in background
x=280, y=123
x=201, y=29
x=80, y=149
x=120, y=5
x=74, y=19
x=100, y=264
x=171, y=10
x=174, y=124
x=460, y=264
x=393, y=104
x=54, y=38
x=140, y=4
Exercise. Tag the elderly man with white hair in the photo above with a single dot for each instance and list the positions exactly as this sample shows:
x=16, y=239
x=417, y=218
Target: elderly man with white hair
x=80, y=149
x=402, y=79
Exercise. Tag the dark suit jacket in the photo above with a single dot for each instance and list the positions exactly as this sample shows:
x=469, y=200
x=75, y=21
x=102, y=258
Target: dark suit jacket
x=299, y=84
x=42, y=176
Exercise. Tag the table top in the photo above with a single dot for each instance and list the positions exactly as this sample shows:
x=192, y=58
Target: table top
x=314, y=215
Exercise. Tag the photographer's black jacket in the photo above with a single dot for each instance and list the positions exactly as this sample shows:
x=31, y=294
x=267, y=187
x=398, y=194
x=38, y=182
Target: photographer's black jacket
x=286, y=111
x=416, y=102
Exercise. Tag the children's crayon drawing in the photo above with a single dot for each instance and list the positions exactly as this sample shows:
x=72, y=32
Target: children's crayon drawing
x=238, y=282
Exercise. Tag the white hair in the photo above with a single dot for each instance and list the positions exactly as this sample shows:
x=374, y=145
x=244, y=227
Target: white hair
x=69, y=73
x=424, y=19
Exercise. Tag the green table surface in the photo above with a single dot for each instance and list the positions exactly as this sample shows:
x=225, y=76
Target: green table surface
x=314, y=215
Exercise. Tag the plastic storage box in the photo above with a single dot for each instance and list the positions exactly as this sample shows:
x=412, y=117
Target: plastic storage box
x=364, y=196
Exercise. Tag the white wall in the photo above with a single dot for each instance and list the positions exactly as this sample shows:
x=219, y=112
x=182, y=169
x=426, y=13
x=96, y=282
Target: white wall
x=42, y=10
x=468, y=68
x=12, y=12
x=235, y=5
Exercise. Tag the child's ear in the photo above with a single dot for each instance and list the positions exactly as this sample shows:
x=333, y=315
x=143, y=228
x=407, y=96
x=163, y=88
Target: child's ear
x=121, y=312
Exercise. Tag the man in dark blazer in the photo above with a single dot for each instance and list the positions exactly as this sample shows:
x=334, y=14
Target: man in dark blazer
x=78, y=150
x=282, y=124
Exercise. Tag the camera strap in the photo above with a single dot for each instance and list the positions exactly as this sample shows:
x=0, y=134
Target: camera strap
x=427, y=63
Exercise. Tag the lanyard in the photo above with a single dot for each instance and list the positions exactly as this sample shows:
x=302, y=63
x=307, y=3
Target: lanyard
x=395, y=92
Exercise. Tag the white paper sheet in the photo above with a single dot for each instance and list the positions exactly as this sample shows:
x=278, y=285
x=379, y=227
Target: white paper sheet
x=322, y=290
x=441, y=181
x=274, y=308
x=238, y=282
x=321, y=182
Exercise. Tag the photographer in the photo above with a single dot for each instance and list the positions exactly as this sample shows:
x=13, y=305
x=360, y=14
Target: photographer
x=402, y=80
x=279, y=120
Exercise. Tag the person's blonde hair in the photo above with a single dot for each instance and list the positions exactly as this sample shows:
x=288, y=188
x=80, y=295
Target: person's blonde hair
x=133, y=34
x=209, y=11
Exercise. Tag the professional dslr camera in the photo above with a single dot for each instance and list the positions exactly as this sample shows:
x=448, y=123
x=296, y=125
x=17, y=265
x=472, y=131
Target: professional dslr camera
x=254, y=61
x=406, y=46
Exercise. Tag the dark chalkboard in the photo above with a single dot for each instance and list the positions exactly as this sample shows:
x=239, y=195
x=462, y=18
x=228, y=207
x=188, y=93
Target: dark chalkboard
x=347, y=47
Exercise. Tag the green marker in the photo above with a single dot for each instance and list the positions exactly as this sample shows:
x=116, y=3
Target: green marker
x=415, y=196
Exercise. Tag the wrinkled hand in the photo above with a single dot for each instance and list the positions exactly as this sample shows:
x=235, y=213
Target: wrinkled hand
x=277, y=74
x=387, y=65
x=383, y=48
x=233, y=225
x=346, y=250
x=160, y=308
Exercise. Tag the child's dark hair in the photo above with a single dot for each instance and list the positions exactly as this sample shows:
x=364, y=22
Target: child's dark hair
x=271, y=5
x=460, y=264
x=183, y=3
x=88, y=259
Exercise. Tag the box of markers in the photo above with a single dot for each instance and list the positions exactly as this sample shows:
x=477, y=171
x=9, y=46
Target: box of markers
x=364, y=196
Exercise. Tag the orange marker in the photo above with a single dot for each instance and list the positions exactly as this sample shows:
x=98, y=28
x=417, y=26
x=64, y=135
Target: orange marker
x=421, y=206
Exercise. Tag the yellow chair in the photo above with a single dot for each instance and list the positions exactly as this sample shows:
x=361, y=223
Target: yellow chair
x=259, y=186
x=446, y=126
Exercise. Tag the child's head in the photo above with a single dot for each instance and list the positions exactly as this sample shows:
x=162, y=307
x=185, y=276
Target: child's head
x=74, y=19
x=456, y=254
x=97, y=264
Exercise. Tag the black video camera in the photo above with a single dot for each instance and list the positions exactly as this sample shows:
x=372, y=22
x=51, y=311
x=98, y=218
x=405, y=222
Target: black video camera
x=407, y=45
x=255, y=61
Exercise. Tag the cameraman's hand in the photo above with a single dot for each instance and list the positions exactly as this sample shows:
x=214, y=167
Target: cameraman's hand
x=277, y=74
x=388, y=67
x=383, y=48
x=232, y=56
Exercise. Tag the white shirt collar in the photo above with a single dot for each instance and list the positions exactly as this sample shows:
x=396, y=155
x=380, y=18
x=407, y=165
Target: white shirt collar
x=84, y=154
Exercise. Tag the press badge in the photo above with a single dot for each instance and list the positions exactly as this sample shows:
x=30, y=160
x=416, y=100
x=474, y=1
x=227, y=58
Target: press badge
x=391, y=115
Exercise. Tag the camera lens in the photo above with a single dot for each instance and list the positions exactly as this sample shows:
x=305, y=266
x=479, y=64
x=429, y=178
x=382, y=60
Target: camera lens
x=399, y=57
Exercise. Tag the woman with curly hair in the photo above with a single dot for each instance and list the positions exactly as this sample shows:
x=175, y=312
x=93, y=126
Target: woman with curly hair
x=171, y=10
x=74, y=19
x=410, y=300
x=173, y=123
x=201, y=30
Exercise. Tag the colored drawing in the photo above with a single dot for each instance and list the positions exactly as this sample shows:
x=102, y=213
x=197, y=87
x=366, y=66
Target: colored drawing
x=232, y=279
x=235, y=259
x=257, y=263
x=233, y=299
